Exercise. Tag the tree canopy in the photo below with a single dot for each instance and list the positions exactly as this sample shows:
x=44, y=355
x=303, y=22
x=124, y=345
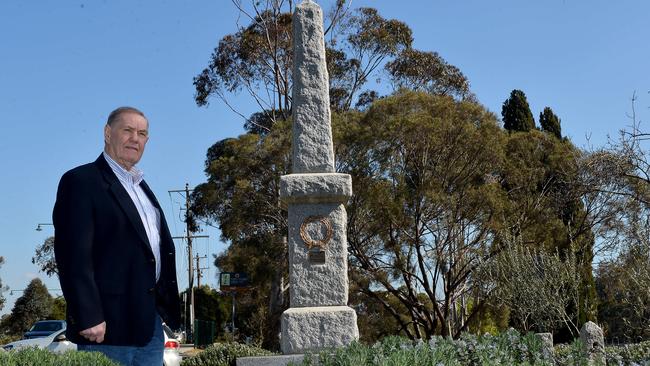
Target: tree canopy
x=425, y=209
x=438, y=186
x=361, y=46
x=44, y=257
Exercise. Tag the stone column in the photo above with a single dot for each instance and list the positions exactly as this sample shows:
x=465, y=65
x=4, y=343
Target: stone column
x=594, y=342
x=318, y=316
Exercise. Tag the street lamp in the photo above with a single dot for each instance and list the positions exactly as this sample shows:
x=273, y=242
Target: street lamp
x=39, y=228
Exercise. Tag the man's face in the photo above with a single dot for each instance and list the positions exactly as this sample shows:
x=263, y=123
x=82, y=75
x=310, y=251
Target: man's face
x=126, y=138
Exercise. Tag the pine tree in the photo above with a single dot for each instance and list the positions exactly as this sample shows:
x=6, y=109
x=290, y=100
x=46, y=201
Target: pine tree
x=34, y=305
x=550, y=122
x=516, y=113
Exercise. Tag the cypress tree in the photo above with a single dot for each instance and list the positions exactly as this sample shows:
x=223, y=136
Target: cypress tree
x=550, y=122
x=516, y=113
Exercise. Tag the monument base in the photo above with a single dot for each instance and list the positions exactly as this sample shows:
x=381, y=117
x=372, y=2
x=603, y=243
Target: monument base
x=312, y=329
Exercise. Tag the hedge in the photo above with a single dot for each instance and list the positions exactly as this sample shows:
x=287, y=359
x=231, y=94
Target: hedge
x=224, y=354
x=33, y=356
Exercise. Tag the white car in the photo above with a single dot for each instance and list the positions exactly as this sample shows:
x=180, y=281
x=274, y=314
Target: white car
x=171, y=357
x=55, y=342
x=58, y=343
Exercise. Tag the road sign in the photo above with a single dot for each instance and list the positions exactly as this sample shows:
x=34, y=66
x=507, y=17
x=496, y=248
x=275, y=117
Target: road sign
x=233, y=281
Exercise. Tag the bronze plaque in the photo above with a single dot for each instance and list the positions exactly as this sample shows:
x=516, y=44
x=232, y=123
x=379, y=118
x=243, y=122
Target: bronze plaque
x=316, y=256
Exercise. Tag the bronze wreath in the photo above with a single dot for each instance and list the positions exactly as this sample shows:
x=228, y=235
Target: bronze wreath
x=316, y=243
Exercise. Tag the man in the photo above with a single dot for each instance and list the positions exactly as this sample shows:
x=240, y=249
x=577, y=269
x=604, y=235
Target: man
x=114, y=252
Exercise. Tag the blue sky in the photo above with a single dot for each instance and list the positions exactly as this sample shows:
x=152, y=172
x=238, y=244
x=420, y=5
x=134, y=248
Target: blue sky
x=66, y=64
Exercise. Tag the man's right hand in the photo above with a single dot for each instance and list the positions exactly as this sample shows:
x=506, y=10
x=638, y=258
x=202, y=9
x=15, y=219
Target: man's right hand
x=95, y=334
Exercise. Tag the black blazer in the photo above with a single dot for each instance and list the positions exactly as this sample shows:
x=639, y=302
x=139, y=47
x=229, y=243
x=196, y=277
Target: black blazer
x=106, y=266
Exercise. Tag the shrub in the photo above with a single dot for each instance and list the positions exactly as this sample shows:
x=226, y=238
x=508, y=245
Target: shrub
x=508, y=348
x=571, y=354
x=631, y=354
x=224, y=354
x=41, y=357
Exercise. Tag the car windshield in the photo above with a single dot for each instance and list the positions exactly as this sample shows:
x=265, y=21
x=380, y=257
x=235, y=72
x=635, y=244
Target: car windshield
x=46, y=327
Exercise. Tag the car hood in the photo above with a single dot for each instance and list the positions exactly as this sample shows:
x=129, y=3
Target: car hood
x=34, y=342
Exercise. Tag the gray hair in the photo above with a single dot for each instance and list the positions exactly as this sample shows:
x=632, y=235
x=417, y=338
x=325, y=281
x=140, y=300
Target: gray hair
x=115, y=114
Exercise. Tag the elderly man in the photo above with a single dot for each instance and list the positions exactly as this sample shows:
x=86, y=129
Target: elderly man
x=114, y=252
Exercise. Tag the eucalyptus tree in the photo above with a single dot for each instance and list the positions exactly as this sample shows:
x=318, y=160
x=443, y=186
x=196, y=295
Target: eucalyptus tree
x=44, y=257
x=257, y=58
x=425, y=210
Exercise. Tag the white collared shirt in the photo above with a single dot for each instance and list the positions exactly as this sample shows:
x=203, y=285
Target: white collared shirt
x=149, y=214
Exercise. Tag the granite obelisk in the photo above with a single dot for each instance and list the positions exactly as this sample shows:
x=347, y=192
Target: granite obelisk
x=318, y=316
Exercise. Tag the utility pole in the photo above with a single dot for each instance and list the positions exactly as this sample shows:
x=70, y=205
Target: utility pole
x=199, y=269
x=190, y=270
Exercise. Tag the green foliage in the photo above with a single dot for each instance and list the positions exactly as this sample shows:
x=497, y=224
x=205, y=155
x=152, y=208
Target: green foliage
x=538, y=287
x=224, y=354
x=573, y=354
x=258, y=58
x=541, y=175
x=2, y=288
x=42, y=357
x=492, y=319
x=366, y=41
x=251, y=58
x=44, y=257
x=508, y=348
x=32, y=306
x=207, y=304
x=629, y=354
x=516, y=113
x=4, y=338
x=375, y=322
x=550, y=122
x=58, y=308
x=241, y=194
x=624, y=287
x=416, y=158
x=427, y=71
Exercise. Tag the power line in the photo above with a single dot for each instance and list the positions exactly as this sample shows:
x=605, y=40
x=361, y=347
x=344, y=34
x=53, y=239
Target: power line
x=188, y=237
x=199, y=269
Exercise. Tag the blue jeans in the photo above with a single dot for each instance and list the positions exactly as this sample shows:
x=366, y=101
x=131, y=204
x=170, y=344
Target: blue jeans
x=150, y=354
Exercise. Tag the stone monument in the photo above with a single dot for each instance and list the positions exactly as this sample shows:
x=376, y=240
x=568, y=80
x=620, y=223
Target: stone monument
x=594, y=343
x=318, y=316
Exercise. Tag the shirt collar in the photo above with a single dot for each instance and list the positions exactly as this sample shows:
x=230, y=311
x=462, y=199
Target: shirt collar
x=133, y=176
